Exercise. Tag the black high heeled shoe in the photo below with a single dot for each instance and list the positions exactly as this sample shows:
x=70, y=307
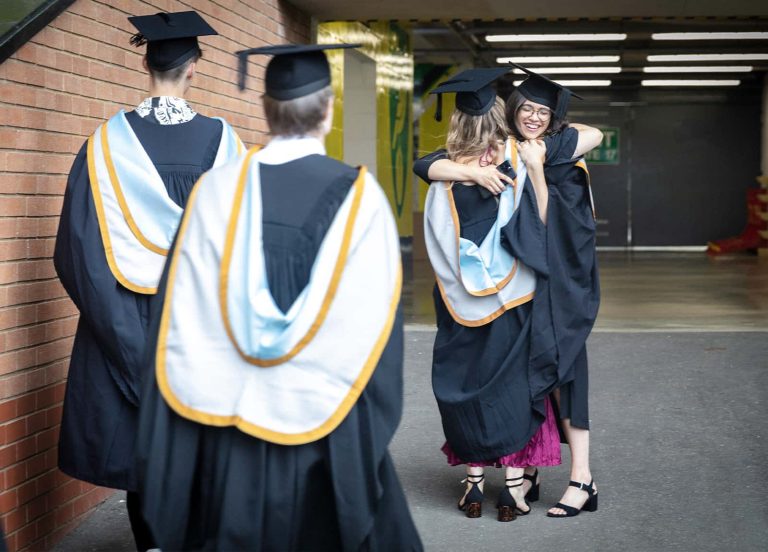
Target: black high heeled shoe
x=507, y=505
x=472, y=502
x=589, y=506
x=533, y=493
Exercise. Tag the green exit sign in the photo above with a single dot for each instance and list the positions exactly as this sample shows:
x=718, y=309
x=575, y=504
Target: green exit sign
x=608, y=152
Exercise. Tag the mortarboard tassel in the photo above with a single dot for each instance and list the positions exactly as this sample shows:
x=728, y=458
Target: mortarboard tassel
x=138, y=40
x=439, y=109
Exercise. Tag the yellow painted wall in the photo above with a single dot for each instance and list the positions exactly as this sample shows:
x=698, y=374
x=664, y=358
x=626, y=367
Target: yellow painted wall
x=389, y=45
x=432, y=133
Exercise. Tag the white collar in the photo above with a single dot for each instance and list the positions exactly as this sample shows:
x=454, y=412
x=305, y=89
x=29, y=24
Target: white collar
x=166, y=110
x=283, y=149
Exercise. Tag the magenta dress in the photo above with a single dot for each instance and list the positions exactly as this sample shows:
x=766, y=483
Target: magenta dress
x=542, y=450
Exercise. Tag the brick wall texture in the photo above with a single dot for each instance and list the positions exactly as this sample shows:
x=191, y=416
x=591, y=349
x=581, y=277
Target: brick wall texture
x=54, y=91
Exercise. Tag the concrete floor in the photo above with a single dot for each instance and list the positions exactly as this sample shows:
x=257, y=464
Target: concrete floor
x=679, y=376
x=678, y=452
x=651, y=291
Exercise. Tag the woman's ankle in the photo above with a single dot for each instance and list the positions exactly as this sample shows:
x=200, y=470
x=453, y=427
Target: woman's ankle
x=582, y=475
x=477, y=477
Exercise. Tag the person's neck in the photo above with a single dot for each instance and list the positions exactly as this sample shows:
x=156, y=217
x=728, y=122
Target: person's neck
x=490, y=156
x=318, y=134
x=175, y=90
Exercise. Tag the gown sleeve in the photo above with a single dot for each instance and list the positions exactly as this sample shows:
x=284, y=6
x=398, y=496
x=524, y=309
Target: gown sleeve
x=525, y=235
x=560, y=149
x=421, y=166
x=111, y=313
x=561, y=146
x=566, y=302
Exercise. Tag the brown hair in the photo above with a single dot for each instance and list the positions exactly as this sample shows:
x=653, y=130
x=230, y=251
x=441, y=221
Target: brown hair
x=469, y=136
x=299, y=116
x=515, y=102
x=175, y=74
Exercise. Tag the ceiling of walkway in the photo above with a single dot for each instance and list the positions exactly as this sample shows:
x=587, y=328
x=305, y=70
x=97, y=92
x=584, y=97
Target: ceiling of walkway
x=456, y=32
x=360, y=10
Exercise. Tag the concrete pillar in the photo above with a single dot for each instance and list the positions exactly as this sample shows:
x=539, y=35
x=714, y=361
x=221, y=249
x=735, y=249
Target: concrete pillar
x=359, y=121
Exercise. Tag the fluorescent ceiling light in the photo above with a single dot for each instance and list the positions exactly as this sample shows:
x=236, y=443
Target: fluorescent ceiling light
x=558, y=59
x=709, y=57
x=677, y=82
x=571, y=70
x=574, y=83
x=710, y=36
x=699, y=69
x=556, y=37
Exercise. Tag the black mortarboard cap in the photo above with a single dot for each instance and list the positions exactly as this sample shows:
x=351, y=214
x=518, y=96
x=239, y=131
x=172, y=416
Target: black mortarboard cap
x=296, y=70
x=542, y=90
x=474, y=93
x=171, y=38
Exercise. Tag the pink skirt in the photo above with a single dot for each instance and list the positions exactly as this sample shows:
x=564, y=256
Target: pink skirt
x=542, y=450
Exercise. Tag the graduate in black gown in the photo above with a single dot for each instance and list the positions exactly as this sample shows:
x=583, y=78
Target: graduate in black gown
x=487, y=252
x=245, y=442
x=568, y=291
x=160, y=149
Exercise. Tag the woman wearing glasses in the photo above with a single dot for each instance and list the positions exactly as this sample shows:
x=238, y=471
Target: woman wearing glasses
x=486, y=252
x=567, y=298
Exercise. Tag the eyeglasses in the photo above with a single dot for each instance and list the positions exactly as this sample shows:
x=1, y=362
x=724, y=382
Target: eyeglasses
x=543, y=113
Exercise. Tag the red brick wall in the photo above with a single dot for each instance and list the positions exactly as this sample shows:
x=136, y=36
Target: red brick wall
x=54, y=91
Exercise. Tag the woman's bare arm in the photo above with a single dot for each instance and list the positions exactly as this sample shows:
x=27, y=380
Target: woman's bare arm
x=589, y=138
x=487, y=177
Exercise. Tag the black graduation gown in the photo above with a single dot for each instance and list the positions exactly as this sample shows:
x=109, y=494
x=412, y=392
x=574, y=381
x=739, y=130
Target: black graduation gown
x=209, y=488
x=490, y=381
x=480, y=375
x=573, y=285
x=99, y=422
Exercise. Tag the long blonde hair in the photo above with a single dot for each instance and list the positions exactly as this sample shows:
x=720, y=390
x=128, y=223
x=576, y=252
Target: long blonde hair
x=471, y=136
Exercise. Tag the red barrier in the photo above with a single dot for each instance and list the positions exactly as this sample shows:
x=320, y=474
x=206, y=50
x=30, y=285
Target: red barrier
x=750, y=238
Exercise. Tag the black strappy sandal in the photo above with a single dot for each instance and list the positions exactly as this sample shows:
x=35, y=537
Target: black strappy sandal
x=472, y=502
x=507, y=506
x=533, y=493
x=589, y=506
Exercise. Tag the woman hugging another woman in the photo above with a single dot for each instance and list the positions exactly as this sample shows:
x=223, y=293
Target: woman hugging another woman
x=503, y=214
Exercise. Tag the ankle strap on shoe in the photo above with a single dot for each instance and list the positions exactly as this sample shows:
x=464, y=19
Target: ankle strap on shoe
x=478, y=477
x=583, y=486
x=508, y=479
x=532, y=477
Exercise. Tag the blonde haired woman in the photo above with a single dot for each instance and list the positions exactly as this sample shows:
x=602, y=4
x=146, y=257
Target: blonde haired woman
x=568, y=298
x=487, y=252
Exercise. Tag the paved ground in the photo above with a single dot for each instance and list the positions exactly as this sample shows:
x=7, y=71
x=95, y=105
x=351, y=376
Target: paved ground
x=679, y=454
x=679, y=378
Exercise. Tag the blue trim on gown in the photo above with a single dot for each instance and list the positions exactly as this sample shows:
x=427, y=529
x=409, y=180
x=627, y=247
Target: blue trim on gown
x=209, y=488
x=99, y=421
x=490, y=381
